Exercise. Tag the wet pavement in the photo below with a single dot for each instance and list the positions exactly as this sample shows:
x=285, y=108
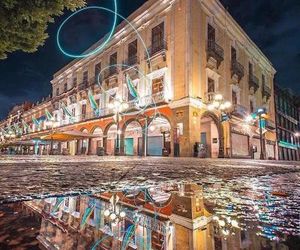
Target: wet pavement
x=28, y=177
x=239, y=204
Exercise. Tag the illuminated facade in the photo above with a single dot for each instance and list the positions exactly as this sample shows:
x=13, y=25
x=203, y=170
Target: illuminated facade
x=195, y=51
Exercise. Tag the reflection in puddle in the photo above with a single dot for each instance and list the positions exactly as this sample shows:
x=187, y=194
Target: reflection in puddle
x=185, y=216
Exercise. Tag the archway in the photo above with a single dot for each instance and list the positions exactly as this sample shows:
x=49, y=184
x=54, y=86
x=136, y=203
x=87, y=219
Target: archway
x=133, y=138
x=211, y=134
x=96, y=143
x=159, y=137
x=111, y=137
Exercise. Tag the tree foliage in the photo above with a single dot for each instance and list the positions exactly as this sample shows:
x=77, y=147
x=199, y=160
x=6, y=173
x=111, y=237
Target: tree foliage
x=23, y=23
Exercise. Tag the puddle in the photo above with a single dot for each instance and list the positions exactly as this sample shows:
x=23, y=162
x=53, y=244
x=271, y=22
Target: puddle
x=245, y=213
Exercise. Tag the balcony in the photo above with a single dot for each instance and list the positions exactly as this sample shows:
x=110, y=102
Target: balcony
x=253, y=83
x=266, y=91
x=210, y=96
x=237, y=69
x=112, y=71
x=155, y=99
x=82, y=86
x=157, y=49
x=91, y=115
x=131, y=61
x=215, y=51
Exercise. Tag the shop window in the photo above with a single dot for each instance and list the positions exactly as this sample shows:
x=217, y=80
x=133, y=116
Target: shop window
x=157, y=85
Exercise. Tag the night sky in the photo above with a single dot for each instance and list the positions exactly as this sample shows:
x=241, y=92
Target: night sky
x=274, y=25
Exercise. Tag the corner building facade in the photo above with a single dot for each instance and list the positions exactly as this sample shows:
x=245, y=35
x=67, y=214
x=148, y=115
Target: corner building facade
x=196, y=50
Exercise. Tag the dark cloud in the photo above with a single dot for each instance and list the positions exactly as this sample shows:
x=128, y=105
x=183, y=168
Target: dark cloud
x=274, y=25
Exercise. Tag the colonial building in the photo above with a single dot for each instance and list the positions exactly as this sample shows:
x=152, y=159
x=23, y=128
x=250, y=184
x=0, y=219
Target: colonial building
x=197, y=75
x=287, y=123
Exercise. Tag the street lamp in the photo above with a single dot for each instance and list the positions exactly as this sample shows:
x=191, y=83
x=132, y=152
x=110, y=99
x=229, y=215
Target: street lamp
x=261, y=112
x=112, y=213
x=219, y=104
x=118, y=107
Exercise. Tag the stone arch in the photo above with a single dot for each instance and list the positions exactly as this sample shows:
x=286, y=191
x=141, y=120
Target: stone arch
x=160, y=131
x=132, y=140
x=219, y=126
x=96, y=143
x=108, y=143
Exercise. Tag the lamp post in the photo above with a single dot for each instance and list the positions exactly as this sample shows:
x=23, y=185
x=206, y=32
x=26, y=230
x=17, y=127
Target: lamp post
x=260, y=113
x=112, y=213
x=219, y=104
x=118, y=106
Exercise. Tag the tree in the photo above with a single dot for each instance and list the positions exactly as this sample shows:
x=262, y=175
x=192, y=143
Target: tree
x=23, y=23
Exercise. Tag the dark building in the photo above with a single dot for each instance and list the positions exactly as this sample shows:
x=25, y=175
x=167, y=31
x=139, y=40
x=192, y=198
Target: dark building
x=287, y=107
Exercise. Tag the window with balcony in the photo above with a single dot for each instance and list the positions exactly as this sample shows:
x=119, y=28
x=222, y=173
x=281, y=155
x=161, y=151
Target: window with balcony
x=210, y=88
x=132, y=53
x=74, y=82
x=250, y=68
x=234, y=97
x=157, y=85
x=97, y=71
x=113, y=60
x=251, y=106
x=83, y=110
x=214, y=50
x=158, y=34
x=236, y=68
x=211, y=33
x=233, y=54
x=65, y=87
x=253, y=80
x=85, y=77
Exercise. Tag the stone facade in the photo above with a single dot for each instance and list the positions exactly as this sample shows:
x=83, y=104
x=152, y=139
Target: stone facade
x=201, y=51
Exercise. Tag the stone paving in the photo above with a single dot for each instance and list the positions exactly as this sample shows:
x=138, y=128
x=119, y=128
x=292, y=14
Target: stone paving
x=29, y=177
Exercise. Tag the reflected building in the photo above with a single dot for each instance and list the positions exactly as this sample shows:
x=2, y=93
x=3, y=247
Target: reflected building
x=171, y=217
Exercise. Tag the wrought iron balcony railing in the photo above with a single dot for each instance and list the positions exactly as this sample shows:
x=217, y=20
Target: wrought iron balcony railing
x=237, y=69
x=215, y=51
x=253, y=82
x=156, y=49
x=130, y=61
x=82, y=86
x=266, y=91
